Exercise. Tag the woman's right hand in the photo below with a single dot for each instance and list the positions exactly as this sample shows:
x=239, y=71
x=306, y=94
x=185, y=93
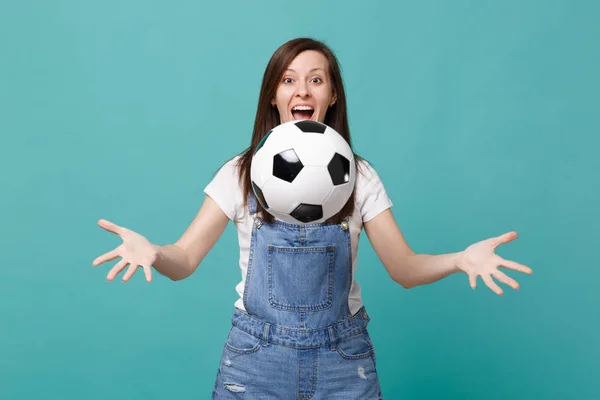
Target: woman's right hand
x=135, y=251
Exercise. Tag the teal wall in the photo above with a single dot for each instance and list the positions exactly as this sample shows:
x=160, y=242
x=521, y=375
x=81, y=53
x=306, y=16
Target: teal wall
x=480, y=116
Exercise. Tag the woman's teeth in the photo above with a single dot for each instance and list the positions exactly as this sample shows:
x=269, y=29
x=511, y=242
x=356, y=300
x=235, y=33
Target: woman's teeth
x=302, y=112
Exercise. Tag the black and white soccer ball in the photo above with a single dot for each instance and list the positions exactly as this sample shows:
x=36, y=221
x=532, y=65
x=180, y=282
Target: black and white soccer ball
x=303, y=172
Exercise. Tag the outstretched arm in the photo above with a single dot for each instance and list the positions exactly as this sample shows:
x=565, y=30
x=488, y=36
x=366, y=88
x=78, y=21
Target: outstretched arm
x=410, y=269
x=176, y=261
x=195, y=243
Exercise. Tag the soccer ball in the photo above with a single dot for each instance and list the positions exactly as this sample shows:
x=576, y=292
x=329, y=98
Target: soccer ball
x=303, y=172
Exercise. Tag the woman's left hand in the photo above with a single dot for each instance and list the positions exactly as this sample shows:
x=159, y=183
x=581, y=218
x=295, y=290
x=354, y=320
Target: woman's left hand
x=479, y=259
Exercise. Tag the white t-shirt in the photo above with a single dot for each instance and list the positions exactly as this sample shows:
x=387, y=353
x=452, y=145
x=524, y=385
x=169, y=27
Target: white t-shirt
x=370, y=200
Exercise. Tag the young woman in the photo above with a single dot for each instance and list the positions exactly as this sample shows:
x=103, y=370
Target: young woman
x=299, y=329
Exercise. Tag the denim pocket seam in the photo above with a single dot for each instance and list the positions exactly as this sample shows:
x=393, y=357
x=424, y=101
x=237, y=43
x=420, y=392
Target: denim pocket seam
x=369, y=353
x=240, y=351
x=355, y=356
x=234, y=349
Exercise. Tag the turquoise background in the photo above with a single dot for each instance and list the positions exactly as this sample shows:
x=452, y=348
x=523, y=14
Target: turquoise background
x=481, y=117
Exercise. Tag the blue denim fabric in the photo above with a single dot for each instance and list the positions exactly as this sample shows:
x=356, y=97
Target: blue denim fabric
x=297, y=338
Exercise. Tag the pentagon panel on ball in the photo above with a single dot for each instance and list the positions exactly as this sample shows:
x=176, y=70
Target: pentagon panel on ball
x=287, y=165
x=307, y=213
x=303, y=172
x=311, y=126
x=339, y=169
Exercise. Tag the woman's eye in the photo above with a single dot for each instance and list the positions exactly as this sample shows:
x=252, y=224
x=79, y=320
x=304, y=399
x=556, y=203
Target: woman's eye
x=287, y=80
x=316, y=80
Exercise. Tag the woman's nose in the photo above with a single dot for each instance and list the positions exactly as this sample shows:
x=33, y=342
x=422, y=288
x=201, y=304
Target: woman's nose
x=302, y=90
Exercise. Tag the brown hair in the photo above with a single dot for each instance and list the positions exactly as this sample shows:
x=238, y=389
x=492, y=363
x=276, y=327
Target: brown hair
x=267, y=117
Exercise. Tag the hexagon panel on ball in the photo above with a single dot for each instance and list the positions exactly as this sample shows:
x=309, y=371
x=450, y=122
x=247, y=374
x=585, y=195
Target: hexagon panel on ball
x=339, y=169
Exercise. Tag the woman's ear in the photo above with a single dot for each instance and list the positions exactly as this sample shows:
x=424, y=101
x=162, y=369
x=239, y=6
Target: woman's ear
x=333, y=100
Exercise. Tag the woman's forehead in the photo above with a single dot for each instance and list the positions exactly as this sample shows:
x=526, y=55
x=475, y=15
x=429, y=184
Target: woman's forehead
x=308, y=61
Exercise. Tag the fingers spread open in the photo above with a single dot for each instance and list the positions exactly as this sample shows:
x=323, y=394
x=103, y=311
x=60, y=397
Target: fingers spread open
x=514, y=266
x=130, y=271
x=507, y=280
x=111, y=255
x=116, y=269
x=109, y=226
x=148, y=273
x=505, y=238
x=473, y=281
x=491, y=284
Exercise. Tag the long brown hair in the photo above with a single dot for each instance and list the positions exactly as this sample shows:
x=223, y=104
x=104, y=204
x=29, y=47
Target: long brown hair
x=267, y=117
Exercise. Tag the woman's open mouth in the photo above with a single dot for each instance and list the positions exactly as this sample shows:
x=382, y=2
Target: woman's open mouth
x=302, y=112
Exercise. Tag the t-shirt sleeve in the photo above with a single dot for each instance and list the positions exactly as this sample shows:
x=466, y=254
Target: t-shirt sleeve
x=225, y=189
x=371, y=196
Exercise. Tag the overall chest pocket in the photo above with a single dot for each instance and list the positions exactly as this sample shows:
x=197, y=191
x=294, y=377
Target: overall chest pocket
x=301, y=278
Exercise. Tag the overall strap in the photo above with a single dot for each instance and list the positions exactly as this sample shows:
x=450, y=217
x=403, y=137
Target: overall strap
x=252, y=203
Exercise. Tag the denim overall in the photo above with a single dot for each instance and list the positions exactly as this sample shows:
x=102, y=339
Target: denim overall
x=297, y=338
